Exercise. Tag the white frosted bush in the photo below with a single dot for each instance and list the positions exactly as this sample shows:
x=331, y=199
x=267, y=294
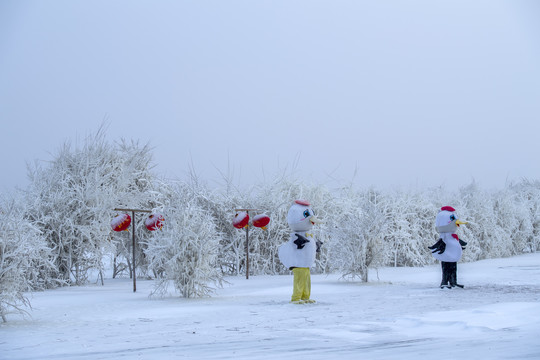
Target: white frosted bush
x=185, y=251
x=71, y=200
x=357, y=230
x=24, y=260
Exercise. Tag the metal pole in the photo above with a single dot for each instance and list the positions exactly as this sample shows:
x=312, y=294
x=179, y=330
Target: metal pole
x=133, y=240
x=247, y=252
x=247, y=241
x=133, y=245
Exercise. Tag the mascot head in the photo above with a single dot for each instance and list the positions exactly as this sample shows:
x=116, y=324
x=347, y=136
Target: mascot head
x=447, y=220
x=301, y=217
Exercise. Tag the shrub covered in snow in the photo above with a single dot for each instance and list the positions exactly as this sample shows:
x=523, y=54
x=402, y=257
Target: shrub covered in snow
x=357, y=230
x=185, y=252
x=25, y=259
x=71, y=200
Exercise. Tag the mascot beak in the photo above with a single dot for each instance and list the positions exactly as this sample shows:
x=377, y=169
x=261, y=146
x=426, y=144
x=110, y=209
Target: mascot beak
x=314, y=220
x=459, y=222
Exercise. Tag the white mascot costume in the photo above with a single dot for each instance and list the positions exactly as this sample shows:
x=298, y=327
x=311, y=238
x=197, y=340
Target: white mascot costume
x=298, y=254
x=449, y=248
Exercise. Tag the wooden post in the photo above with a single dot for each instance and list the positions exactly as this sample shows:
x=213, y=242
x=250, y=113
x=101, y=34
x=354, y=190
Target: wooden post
x=133, y=211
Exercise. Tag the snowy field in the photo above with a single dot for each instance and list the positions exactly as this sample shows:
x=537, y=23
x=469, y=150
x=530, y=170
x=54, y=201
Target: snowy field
x=400, y=314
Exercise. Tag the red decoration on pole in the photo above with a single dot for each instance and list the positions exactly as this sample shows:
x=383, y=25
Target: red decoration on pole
x=154, y=222
x=261, y=221
x=121, y=222
x=241, y=220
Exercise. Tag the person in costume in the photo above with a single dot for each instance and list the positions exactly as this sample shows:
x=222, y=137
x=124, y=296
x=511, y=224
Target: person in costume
x=449, y=248
x=298, y=254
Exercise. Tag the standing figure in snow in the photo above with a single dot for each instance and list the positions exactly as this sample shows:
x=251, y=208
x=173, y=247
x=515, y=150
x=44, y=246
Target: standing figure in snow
x=298, y=254
x=449, y=248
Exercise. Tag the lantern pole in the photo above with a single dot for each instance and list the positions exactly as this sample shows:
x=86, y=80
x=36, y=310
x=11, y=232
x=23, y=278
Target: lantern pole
x=247, y=241
x=133, y=250
x=247, y=251
x=133, y=211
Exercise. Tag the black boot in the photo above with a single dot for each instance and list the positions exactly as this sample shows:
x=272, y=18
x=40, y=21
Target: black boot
x=452, y=277
x=445, y=278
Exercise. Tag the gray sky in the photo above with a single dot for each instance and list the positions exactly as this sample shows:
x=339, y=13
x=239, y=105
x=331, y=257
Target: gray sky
x=407, y=93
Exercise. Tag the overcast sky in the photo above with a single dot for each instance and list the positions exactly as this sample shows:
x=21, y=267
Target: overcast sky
x=407, y=93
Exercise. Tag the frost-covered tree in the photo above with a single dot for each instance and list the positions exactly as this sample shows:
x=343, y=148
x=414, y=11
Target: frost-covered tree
x=357, y=232
x=221, y=203
x=410, y=228
x=70, y=199
x=527, y=198
x=24, y=259
x=484, y=234
x=185, y=251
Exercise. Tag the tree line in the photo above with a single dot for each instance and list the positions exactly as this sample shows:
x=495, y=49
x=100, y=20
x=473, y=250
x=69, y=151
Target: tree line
x=56, y=232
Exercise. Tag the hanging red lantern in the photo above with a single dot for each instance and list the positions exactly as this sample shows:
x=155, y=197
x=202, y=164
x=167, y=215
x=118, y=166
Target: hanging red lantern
x=121, y=222
x=154, y=222
x=261, y=221
x=241, y=220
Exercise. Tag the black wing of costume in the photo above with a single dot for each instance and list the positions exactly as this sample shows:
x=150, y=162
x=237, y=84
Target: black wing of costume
x=463, y=244
x=439, y=247
x=300, y=241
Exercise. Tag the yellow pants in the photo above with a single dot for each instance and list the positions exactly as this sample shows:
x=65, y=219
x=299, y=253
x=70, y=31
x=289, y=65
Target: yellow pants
x=301, y=284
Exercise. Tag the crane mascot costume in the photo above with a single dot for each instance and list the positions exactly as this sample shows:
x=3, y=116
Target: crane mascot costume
x=449, y=248
x=298, y=254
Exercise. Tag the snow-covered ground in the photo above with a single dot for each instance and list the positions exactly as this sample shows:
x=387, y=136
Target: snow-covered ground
x=400, y=314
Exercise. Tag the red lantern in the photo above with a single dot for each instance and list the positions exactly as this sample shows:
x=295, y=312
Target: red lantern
x=154, y=222
x=121, y=222
x=241, y=220
x=261, y=221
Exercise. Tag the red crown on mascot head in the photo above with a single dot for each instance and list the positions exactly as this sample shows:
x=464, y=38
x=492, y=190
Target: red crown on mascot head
x=302, y=202
x=448, y=208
